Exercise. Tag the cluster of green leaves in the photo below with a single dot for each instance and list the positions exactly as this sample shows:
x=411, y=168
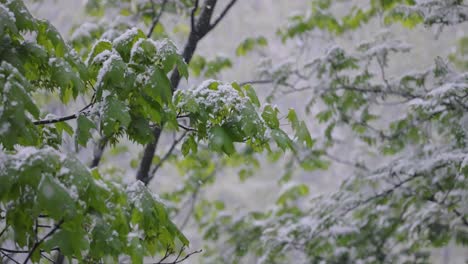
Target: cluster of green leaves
x=28, y=66
x=50, y=201
x=408, y=12
x=225, y=114
x=250, y=44
x=131, y=84
x=459, y=57
x=200, y=66
x=143, y=10
x=95, y=219
x=386, y=214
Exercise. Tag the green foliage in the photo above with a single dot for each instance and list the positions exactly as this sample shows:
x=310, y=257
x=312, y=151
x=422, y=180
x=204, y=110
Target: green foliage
x=199, y=66
x=249, y=44
x=49, y=200
x=93, y=217
x=459, y=57
x=407, y=12
x=387, y=213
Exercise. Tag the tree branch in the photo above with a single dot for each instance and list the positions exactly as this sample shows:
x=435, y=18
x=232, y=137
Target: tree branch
x=55, y=120
x=156, y=17
x=3, y=230
x=256, y=82
x=98, y=151
x=38, y=243
x=187, y=128
x=8, y=257
x=192, y=15
x=199, y=29
x=177, y=260
x=167, y=155
x=64, y=118
x=192, y=207
x=223, y=14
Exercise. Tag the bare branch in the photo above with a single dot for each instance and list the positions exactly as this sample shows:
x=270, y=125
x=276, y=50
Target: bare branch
x=65, y=118
x=187, y=128
x=46, y=257
x=156, y=17
x=3, y=230
x=8, y=257
x=192, y=207
x=98, y=151
x=168, y=253
x=14, y=251
x=182, y=259
x=38, y=243
x=192, y=15
x=167, y=155
x=223, y=14
x=256, y=82
x=55, y=120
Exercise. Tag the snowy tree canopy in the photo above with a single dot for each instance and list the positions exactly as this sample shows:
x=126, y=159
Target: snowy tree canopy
x=122, y=79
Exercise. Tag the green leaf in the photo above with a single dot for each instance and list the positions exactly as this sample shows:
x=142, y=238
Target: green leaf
x=251, y=94
x=53, y=199
x=249, y=44
x=221, y=141
x=282, y=139
x=83, y=130
x=64, y=126
x=270, y=116
x=114, y=117
x=293, y=194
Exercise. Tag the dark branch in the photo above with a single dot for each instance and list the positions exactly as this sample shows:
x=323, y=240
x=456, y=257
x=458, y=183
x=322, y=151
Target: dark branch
x=145, y=164
x=98, y=151
x=55, y=120
x=187, y=128
x=192, y=207
x=64, y=118
x=223, y=13
x=10, y=258
x=167, y=155
x=192, y=15
x=14, y=251
x=199, y=29
x=46, y=257
x=3, y=231
x=156, y=17
x=38, y=243
x=177, y=260
x=168, y=253
x=256, y=82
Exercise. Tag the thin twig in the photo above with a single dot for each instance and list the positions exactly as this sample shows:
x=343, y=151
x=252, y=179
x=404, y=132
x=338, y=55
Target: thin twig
x=223, y=14
x=182, y=259
x=55, y=120
x=38, y=243
x=167, y=155
x=10, y=258
x=156, y=18
x=64, y=118
x=187, y=128
x=256, y=82
x=49, y=259
x=192, y=207
x=180, y=253
x=14, y=251
x=345, y=162
x=168, y=253
x=3, y=230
